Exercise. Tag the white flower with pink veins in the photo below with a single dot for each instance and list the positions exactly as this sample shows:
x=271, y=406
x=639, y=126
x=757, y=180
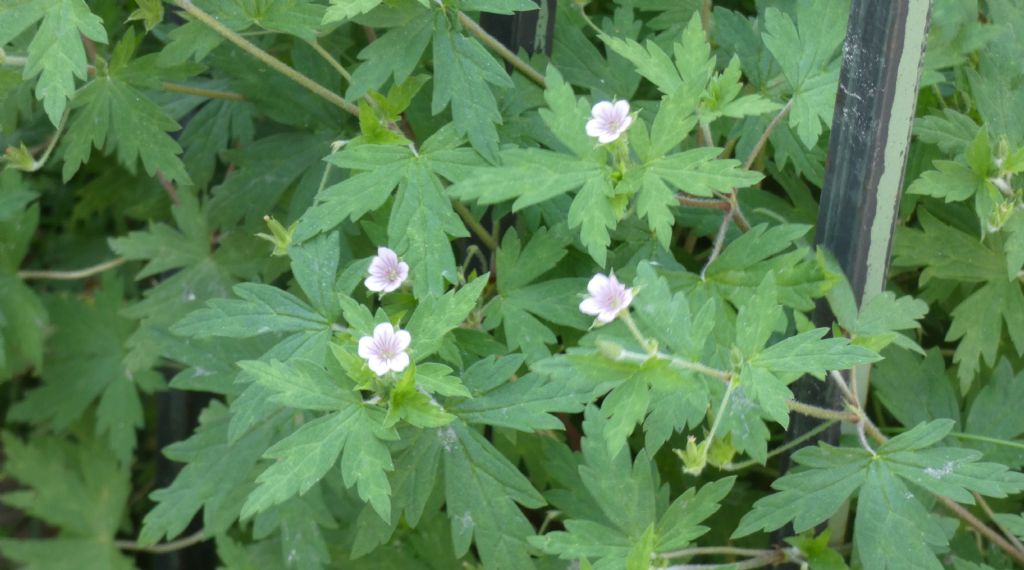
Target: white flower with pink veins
x=609, y=120
x=608, y=297
x=387, y=272
x=385, y=351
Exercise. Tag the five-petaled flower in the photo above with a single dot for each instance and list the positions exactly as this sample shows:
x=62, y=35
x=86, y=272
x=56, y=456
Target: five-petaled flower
x=609, y=120
x=608, y=297
x=387, y=272
x=385, y=350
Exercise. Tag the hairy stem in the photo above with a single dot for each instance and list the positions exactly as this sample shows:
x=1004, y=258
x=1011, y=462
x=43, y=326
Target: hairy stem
x=629, y=356
x=475, y=226
x=707, y=203
x=180, y=544
x=716, y=551
x=74, y=274
x=770, y=559
x=271, y=61
x=782, y=448
x=992, y=517
x=331, y=60
x=500, y=49
x=754, y=152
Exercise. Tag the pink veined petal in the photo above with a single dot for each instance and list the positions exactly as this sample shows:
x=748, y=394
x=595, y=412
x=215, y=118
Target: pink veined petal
x=378, y=365
x=602, y=109
x=388, y=255
x=597, y=284
x=382, y=333
x=376, y=283
x=627, y=298
x=607, y=138
x=402, y=340
x=607, y=316
x=595, y=128
x=399, y=362
x=366, y=348
x=590, y=306
x=391, y=285
x=621, y=109
x=403, y=271
x=626, y=122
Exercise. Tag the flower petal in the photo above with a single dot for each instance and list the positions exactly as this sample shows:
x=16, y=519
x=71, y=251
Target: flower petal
x=598, y=283
x=391, y=285
x=602, y=109
x=590, y=306
x=403, y=271
x=367, y=348
x=376, y=283
x=402, y=340
x=608, y=138
x=378, y=365
x=595, y=128
x=387, y=254
x=399, y=362
x=626, y=122
x=607, y=316
x=621, y=109
x=383, y=332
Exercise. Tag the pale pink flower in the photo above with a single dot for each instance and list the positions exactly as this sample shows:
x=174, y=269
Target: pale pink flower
x=607, y=298
x=387, y=272
x=609, y=120
x=385, y=350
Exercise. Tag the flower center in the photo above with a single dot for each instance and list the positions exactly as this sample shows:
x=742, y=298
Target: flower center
x=392, y=274
x=612, y=299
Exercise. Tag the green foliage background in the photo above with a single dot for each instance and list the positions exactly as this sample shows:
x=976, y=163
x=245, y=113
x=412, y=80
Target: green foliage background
x=160, y=140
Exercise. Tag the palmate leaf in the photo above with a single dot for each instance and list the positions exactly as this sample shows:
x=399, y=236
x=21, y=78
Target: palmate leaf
x=482, y=488
x=89, y=365
x=806, y=50
x=354, y=433
x=422, y=220
x=217, y=477
x=809, y=496
x=628, y=531
x=948, y=253
x=56, y=54
x=81, y=489
x=527, y=404
x=463, y=73
x=110, y=114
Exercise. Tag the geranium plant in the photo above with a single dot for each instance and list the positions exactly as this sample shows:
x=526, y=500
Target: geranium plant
x=446, y=304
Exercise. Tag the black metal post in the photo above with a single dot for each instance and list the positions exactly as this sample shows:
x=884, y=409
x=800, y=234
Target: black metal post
x=867, y=156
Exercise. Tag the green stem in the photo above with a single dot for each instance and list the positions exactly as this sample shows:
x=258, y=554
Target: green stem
x=716, y=551
x=629, y=356
x=200, y=92
x=164, y=548
x=72, y=275
x=266, y=58
x=474, y=226
x=764, y=136
x=500, y=49
x=781, y=449
x=822, y=413
x=770, y=559
x=718, y=421
x=331, y=60
x=648, y=345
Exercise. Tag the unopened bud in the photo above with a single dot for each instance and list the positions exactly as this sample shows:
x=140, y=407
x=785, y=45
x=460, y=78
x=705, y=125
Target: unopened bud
x=694, y=458
x=279, y=235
